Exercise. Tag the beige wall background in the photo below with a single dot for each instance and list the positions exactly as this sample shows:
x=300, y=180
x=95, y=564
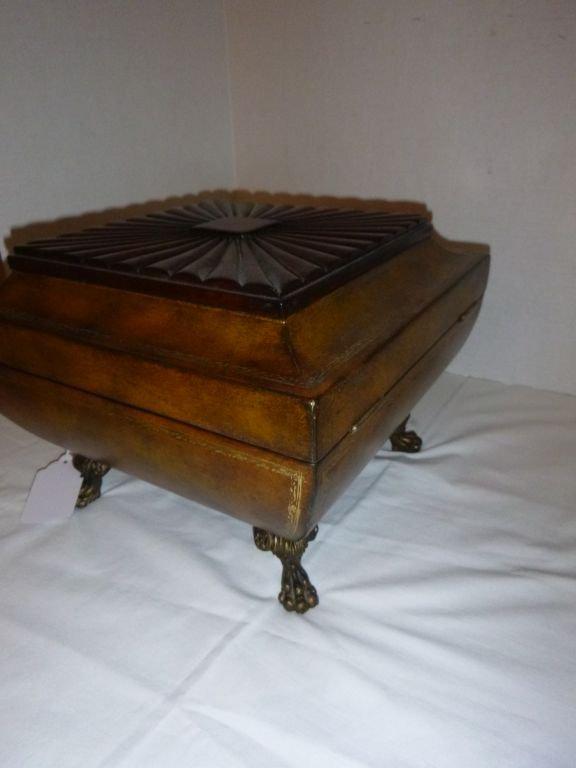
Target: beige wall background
x=468, y=105
x=109, y=102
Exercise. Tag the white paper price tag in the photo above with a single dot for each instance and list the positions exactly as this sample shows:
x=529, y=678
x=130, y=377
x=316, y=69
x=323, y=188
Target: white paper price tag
x=54, y=492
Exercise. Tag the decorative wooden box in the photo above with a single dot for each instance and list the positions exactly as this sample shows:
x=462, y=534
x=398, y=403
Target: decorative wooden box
x=252, y=356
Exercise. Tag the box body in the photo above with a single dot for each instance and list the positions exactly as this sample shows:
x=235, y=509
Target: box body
x=264, y=413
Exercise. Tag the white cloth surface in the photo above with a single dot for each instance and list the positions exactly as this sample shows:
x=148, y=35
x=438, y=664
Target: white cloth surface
x=145, y=631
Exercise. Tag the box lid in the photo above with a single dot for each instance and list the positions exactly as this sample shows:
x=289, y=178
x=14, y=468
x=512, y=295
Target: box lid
x=266, y=292
x=249, y=256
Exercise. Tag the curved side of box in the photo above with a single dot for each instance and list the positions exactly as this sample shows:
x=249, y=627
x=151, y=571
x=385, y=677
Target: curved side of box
x=350, y=398
x=336, y=334
x=270, y=419
x=254, y=485
x=339, y=467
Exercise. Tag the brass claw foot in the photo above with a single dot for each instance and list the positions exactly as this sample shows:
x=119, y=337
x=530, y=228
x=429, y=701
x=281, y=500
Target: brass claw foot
x=406, y=441
x=297, y=593
x=92, y=472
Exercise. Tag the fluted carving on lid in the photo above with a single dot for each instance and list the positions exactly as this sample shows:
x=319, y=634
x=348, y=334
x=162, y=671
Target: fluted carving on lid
x=259, y=249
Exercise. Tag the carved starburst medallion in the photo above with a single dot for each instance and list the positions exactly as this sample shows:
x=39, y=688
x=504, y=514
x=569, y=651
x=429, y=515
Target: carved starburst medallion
x=253, y=256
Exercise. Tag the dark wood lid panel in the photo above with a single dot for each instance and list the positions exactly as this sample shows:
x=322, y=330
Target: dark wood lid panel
x=248, y=256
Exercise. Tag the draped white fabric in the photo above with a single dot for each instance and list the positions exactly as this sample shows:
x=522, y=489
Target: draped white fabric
x=145, y=632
